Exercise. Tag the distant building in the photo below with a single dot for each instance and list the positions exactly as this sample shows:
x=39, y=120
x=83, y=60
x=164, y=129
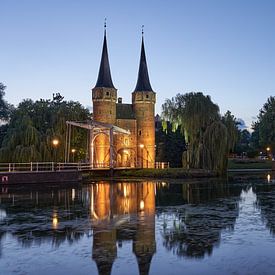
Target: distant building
x=138, y=148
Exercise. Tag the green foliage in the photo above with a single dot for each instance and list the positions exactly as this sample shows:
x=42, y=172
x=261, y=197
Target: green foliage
x=243, y=144
x=33, y=126
x=232, y=130
x=266, y=124
x=209, y=136
x=169, y=144
x=4, y=106
x=255, y=136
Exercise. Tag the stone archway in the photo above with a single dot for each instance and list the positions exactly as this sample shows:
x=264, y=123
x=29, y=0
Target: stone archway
x=101, y=150
x=126, y=157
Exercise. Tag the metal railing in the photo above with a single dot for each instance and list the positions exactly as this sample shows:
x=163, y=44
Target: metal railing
x=61, y=166
x=162, y=165
x=42, y=166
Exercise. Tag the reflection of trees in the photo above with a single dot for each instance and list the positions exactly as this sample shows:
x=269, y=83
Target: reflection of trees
x=266, y=204
x=44, y=215
x=1, y=236
x=193, y=230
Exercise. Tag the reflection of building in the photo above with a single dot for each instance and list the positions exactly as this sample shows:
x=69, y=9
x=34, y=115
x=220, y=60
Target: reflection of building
x=128, y=207
x=144, y=245
x=138, y=148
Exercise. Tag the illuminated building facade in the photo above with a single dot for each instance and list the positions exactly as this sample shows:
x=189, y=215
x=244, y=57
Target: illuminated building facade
x=138, y=148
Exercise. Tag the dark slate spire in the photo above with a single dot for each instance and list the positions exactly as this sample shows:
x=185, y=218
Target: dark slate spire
x=143, y=82
x=104, y=76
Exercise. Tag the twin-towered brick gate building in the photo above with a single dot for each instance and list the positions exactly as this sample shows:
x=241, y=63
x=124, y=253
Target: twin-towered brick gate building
x=136, y=149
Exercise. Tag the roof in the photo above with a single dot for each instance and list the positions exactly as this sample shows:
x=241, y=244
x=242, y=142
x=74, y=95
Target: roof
x=104, y=75
x=125, y=111
x=143, y=82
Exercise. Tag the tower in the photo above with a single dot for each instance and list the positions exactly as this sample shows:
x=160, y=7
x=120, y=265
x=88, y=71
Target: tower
x=104, y=96
x=143, y=100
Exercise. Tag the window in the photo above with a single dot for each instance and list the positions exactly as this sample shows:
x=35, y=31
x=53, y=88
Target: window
x=139, y=132
x=107, y=93
x=147, y=96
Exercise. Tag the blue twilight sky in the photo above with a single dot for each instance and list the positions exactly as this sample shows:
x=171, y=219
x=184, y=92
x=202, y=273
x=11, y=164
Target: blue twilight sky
x=224, y=48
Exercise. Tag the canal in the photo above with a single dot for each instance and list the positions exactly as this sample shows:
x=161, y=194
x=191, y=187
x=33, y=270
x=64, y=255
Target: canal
x=188, y=227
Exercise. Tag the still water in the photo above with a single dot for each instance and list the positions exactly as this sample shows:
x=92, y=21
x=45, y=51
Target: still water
x=205, y=227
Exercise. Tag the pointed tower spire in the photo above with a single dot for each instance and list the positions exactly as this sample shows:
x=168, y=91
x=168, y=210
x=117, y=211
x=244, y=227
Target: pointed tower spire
x=143, y=82
x=104, y=76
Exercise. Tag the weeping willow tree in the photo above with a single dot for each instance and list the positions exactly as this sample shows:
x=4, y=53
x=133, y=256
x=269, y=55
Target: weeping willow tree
x=33, y=126
x=208, y=138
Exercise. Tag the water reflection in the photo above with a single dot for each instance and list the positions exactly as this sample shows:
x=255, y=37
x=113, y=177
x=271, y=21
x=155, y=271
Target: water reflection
x=189, y=218
x=123, y=211
x=266, y=201
x=36, y=215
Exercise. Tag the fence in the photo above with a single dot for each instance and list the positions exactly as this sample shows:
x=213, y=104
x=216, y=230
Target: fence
x=42, y=166
x=60, y=166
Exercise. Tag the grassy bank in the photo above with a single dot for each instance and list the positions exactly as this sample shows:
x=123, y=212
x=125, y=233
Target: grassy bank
x=249, y=164
x=174, y=173
x=165, y=173
x=178, y=173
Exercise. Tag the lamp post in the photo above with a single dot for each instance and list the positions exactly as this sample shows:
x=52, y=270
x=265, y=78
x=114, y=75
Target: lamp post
x=73, y=152
x=141, y=147
x=55, y=143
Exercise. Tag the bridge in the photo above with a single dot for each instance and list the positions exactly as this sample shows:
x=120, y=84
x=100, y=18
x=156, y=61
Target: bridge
x=55, y=172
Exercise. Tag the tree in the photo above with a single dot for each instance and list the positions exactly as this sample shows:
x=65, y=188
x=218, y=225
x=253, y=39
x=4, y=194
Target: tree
x=4, y=107
x=231, y=124
x=266, y=125
x=209, y=139
x=33, y=126
x=169, y=144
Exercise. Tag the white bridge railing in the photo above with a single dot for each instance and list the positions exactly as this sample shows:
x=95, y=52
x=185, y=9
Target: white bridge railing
x=42, y=166
x=61, y=166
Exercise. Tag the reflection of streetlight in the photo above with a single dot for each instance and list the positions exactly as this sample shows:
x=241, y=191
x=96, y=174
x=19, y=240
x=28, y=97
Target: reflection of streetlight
x=141, y=205
x=55, y=143
x=73, y=152
x=55, y=220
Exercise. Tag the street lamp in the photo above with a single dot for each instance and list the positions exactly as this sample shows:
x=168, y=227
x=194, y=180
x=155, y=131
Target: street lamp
x=55, y=143
x=141, y=161
x=73, y=152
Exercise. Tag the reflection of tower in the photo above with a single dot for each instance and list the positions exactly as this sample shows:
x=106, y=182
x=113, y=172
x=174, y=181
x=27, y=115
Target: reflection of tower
x=144, y=245
x=104, y=240
x=104, y=104
x=143, y=100
x=104, y=249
